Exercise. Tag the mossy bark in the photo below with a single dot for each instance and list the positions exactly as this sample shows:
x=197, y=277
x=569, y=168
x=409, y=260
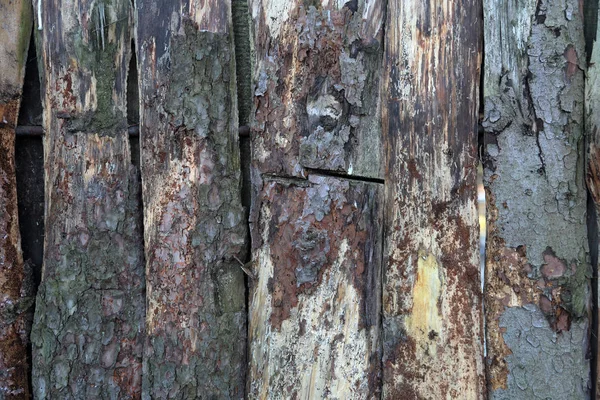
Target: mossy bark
x=193, y=218
x=537, y=264
x=16, y=290
x=88, y=327
x=432, y=300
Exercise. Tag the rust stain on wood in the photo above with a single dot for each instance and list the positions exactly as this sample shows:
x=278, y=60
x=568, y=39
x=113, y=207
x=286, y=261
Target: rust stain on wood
x=432, y=305
x=314, y=325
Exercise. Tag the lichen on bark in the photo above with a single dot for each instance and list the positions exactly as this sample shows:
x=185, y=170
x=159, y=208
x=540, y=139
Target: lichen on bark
x=537, y=262
x=316, y=91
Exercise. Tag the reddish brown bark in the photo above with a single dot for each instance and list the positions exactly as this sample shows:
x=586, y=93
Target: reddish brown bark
x=15, y=278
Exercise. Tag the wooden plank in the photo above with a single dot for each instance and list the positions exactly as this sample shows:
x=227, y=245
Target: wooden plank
x=314, y=313
x=537, y=273
x=317, y=74
x=315, y=306
x=432, y=308
x=193, y=218
x=88, y=327
x=592, y=129
x=15, y=286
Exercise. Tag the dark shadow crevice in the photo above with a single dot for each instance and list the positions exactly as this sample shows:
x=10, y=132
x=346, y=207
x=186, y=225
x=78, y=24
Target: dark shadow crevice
x=243, y=64
x=590, y=28
x=29, y=164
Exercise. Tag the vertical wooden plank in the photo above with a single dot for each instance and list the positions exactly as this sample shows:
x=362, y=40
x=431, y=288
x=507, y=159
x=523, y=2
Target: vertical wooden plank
x=592, y=129
x=15, y=285
x=193, y=218
x=432, y=306
x=88, y=327
x=317, y=72
x=315, y=304
x=314, y=312
x=537, y=273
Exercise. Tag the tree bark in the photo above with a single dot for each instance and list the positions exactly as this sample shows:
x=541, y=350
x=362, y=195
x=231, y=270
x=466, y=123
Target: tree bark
x=316, y=214
x=193, y=218
x=537, y=272
x=432, y=304
x=88, y=327
x=317, y=75
x=16, y=296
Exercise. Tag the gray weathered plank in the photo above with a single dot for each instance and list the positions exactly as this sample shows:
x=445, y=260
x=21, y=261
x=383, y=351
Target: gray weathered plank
x=88, y=327
x=193, y=219
x=537, y=273
x=432, y=303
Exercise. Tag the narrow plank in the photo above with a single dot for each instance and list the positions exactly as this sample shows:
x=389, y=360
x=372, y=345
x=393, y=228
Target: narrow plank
x=193, y=218
x=314, y=312
x=537, y=264
x=15, y=278
x=317, y=72
x=432, y=302
x=592, y=129
x=88, y=327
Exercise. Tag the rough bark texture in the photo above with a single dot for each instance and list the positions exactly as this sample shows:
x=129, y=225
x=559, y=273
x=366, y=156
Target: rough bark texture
x=88, y=327
x=315, y=306
x=432, y=306
x=592, y=127
x=317, y=84
x=314, y=313
x=15, y=276
x=537, y=273
x=193, y=218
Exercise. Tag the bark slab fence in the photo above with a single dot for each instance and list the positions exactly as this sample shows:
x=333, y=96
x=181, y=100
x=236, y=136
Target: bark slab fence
x=269, y=199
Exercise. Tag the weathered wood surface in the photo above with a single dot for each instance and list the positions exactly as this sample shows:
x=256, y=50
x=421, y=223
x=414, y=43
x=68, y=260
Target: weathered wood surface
x=15, y=278
x=592, y=130
x=88, y=327
x=315, y=303
x=193, y=219
x=537, y=274
x=314, y=312
x=432, y=302
x=317, y=72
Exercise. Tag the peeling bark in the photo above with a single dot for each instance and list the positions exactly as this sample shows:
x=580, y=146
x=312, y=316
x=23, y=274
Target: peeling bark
x=16, y=291
x=314, y=313
x=537, y=269
x=88, y=327
x=432, y=311
x=315, y=304
x=317, y=75
x=193, y=218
